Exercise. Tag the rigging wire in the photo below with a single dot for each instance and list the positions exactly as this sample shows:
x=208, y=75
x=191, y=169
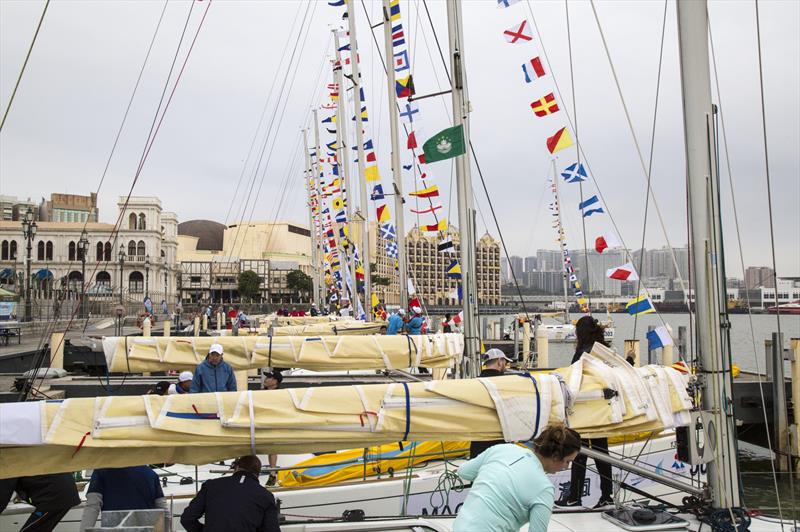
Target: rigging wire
x=578, y=150
x=154, y=129
x=650, y=161
x=24, y=64
x=770, y=211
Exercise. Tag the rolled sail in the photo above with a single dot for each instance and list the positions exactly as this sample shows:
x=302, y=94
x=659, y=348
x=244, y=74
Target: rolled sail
x=135, y=354
x=336, y=328
x=600, y=396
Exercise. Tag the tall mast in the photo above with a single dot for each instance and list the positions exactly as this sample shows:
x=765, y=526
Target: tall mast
x=314, y=250
x=717, y=397
x=344, y=164
x=397, y=175
x=561, y=244
x=466, y=213
x=317, y=169
x=357, y=103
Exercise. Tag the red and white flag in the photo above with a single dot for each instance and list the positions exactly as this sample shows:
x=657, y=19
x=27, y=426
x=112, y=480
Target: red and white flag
x=519, y=33
x=431, y=209
x=626, y=272
x=605, y=241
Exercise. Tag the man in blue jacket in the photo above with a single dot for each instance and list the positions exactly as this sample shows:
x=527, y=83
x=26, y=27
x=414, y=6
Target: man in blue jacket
x=213, y=374
x=414, y=325
x=395, y=324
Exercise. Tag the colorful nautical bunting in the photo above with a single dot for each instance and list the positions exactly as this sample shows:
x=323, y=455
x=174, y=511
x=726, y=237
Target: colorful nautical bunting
x=640, y=305
x=401, y=61
x=388, y=231
x=404, y=87
x=383, y=214
x=377, y=193
x=574, y=173
x=437, y=227
x=605, y=241
x=658, y=337
x=545, y=106
x=518, y=33
x=398, y=37
x=560, y=141
x=408, y=111
x=532, y=69
x=454, y=270
x=626, y=272
x=590, y=206
x=428, y=210
x=430, y=192
x=391, y=249
x=371, y=174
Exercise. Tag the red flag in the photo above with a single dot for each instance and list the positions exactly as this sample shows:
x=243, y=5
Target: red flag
x=605, y=241
x=412, y=141
x=626, y=272
x=545, y=106
x=371, y=157
x=421, y=159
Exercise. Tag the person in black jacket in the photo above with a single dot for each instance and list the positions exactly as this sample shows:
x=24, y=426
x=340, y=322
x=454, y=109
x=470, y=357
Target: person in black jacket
x=237, y=502
x=52, y=496
x=589, y=331
x=494, y=365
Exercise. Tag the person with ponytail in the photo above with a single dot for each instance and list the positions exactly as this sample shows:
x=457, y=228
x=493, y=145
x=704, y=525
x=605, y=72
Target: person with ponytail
x=510, y=486
x=589, y=332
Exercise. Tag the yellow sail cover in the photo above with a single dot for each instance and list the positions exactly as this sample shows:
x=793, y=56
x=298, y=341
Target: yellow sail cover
x=380, y=460
x=308, y=320
x=81, y=433
x=350, y=327
x=135, y=354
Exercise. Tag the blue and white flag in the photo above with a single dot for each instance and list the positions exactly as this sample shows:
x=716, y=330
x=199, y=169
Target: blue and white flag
x=574, y=173
x=388, y=231
x=377, y=193
x=408, y=111
x=506, y=3
x=590, y=206
x=658, y=337
x=401, y=61
x=391, y=249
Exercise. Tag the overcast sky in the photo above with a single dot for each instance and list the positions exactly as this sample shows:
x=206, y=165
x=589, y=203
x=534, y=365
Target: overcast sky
x=82, y=71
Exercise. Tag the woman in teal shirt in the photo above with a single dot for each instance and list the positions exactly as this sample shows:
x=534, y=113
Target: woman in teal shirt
x=510, y=486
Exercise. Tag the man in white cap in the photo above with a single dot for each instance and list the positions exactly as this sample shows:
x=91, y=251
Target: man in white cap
x=213, y=374
x=414, y=325
x=183, y=384
x=494, y=365
x=345, y=310
x=395, y=324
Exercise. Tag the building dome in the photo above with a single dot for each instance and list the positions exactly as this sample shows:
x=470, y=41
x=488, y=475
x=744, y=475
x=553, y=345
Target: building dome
x=209, y=234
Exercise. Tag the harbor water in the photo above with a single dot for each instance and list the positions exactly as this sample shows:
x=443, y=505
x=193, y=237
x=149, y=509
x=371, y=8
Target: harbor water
x=757, y=478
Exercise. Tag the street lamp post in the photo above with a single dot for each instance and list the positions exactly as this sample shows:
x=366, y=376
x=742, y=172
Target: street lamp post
x=28, y=231
x=121, y=264
x=147, y=276
x=83, y=248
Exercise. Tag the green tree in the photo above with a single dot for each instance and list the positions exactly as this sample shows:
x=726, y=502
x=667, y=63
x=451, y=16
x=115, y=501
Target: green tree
x=249, y=283
x=378, y=280
x=300, y=282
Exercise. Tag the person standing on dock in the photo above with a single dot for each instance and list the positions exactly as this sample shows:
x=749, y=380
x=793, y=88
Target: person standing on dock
x=395, y=324
x=494, y=365
x=510, y=486
x=414, y=325
x=213, y=374
x=122, y=488
x=589, y=331
x=238, y=502
x=272, y=380
x=52, y=496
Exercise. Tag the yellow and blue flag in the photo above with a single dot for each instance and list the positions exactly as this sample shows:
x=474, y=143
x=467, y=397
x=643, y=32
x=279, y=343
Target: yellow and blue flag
x=454, y=270
x=639, y=305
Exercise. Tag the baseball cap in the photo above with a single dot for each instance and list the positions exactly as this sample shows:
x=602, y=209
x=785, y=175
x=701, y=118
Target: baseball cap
x=185, y=376
x=401, y=311
x=494, y=354
x=277, y=375
x=416, y=310
x=215, y=348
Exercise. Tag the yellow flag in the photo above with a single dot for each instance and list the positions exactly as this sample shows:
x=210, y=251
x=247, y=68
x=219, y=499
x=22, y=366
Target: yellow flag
x=371, y=173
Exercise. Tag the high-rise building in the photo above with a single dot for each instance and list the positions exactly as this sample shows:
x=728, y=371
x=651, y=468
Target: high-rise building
x=505, y=277
x=70, y=208
x=427, y=267
x=759, y=277
x=530, y=264
x=13, y=209
x=549, y=260
x=548, y=282
x=596, y=281
x=517, y=268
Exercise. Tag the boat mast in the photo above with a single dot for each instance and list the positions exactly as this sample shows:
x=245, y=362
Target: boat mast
x=364, y=206
x=314, y=249
x=317, y=169
x=344, y=165
x=717, y=396
x=561, y=244
x=466, y=213
x=397, y=176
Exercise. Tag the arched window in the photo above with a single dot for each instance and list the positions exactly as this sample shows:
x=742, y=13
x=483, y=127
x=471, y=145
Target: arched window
x=136, y=282
x=49, y=250
x=75, y=281
x=4, y=250
x=131, y=248
x=103, y=279
x=13, y=252
x=40, y=250
x=99, y=253
x=142, y=223
x=79, y=255
x=71, y=251
x=140, y=249
x=132, y=221
x=107, y=252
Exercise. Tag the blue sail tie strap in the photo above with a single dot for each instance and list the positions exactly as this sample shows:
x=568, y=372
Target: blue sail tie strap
x=408, y=412
x=538, y=403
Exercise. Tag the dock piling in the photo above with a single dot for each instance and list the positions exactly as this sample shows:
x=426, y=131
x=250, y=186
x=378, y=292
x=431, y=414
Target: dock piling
x=167, y=328
x=196, y=327
x=542, y=348
x=779, y=410
x=57, y=350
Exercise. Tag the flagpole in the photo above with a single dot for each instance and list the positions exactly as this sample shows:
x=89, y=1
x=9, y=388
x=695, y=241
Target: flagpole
x=344, y=164
x=312, y=231
x=317, y=169
x=464, y=188
x=366, y=251
x=397, y=174
x=561, y=243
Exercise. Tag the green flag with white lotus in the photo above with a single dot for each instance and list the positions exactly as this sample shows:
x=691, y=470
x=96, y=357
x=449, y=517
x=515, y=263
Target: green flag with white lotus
x=446, y=144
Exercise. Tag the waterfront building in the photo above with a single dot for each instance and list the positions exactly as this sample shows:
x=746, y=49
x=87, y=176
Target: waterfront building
x=530, y=264
x=759, y=277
